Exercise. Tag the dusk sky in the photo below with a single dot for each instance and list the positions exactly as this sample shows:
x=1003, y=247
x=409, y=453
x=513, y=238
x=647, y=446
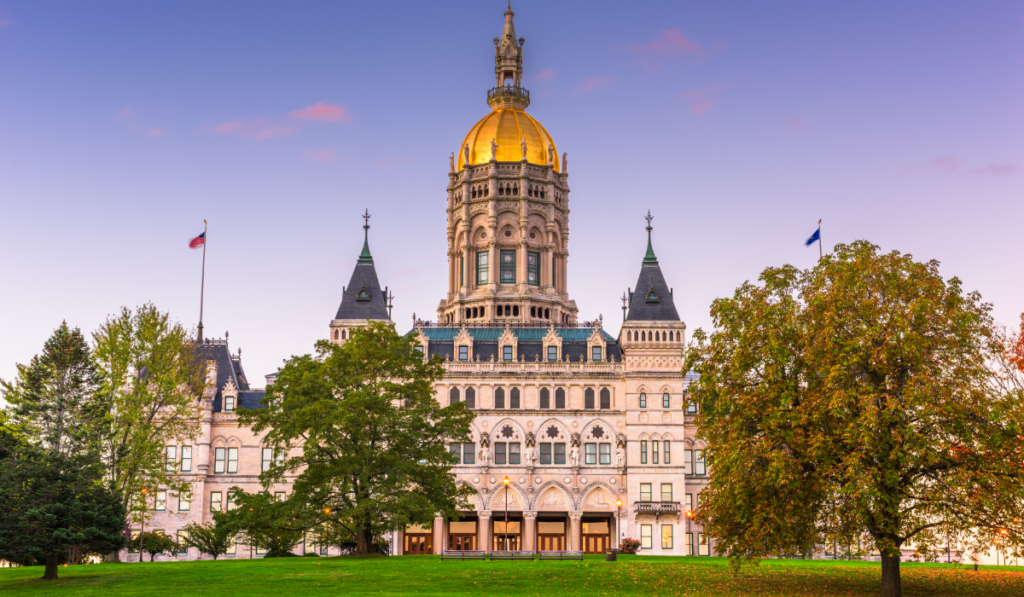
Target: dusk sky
x=123, y=125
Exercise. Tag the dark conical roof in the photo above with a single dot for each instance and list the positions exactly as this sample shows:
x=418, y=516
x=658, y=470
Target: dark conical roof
x=652, y=298
x=363, y=298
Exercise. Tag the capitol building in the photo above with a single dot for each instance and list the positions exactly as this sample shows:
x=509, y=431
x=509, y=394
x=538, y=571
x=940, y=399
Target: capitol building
x=593, y=432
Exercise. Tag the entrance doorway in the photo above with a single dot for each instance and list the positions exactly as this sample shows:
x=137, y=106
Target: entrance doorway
x=507, y=539
x=418, y=544
x=462, y=535
x=551, y=535
x=595, y=536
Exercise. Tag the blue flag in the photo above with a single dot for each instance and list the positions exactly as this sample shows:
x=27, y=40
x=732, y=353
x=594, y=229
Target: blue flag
x=814, y=237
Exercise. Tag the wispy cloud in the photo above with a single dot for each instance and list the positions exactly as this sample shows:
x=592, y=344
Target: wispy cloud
x=324, y=156
x=996, y=170
x=322, y=112
x=392, y=162
x=949, y=164
x=544, y=75
x=796, y=125
x=5, y=22
x=669, y=42
x=593, y=84
x=701, y=100
x=131, y=116
x=259, y=129
x=406, y=272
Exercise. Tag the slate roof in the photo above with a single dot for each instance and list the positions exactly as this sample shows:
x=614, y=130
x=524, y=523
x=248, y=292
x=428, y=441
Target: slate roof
x=491, y=334
x=529, y=342
x=229, y=366
x=363, y=298
x=645, y=306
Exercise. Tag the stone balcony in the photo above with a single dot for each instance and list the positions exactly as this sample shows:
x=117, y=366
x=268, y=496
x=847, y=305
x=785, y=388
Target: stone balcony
x=657, y=507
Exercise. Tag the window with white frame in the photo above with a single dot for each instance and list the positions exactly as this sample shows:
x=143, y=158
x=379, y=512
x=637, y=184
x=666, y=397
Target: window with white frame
x=171, y=457
x=184, y=501
x=186, y=459
x=216, y=503
x=161, y=500
x=219, y=460
x=646, y=541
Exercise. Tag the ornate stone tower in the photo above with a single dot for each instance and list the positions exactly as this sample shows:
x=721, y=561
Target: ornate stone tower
x=362, y=300
x=508, y=211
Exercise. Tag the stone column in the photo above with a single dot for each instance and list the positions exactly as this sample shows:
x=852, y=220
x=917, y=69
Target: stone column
x=399, y=543
x=529, y=531
x=468, y=271
x=577, y=531
x=439, y=543
x=483, y=531
x=492, y=261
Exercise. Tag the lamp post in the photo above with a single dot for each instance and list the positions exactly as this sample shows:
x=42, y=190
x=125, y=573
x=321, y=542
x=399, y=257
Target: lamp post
x=143, y=523
x=618, y=518
x=506, y=482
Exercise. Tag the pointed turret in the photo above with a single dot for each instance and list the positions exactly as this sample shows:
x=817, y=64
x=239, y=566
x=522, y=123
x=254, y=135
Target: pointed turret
x=652, y=299
x=363, y=298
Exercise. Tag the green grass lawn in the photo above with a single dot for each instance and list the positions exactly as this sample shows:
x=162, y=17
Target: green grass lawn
x=428, y=575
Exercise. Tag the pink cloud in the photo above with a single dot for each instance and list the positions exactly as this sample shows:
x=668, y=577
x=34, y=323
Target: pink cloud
x=545, y=75
x=131, y=116
x=996, y=170
x=952, y=165
x=669, y=42
x=325, y=156
x=593, y=84
x=259, y=129
x=946, y=164
x=322, y=112
x=701, y=100
x=5, y=22
x=153, y=132
x=796, y=125
x=391, y=162
x=406, y=272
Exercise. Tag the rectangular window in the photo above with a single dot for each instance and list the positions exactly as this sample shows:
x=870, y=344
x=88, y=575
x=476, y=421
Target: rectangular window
x=643, y=400
x=218, y=460
x=455, y=450
x=161, y=500
x=666, y=536
x=605, y=452
x=482, y=266
x=698, y=463
x=689, y=544
x=666, y=492
x=232, y=460
x=186, y=459
x=184, y=501
x=462, y=270
x=231, y=502
x=643, y=451
x=666, y=400
x=268, y=458
x=645, y=492
x=553, y=261
x=545, y=453
x=667, y=452
x=513, y=453
x=508, y=267
x=506, y=353
x=215, y=501
x=171, y=456
x=552, y=353
x=703, y=549
x=691, y=408
x=595, y=354
x=279, y=496
x=499, y=453
x=182, y=535
x=469, y=453
x=645, y=536
x=688, y=503
x=419, y=349
x=463, y=353
x=133, y=542
x=687, y=462
x=533, y=268
x=560, y=453
x=589, y=453
x=229, y=403
x=232, y=546
x=655, y=449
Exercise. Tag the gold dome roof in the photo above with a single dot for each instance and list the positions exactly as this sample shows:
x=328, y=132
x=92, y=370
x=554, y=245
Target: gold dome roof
x=508, y=127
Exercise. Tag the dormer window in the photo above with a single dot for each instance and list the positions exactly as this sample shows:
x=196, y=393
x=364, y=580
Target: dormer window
x=363, y=295
x=463, y=353
x=229, y=403
x=506, y=353
x=595, y=354
x=652, y=295
x=552, y=353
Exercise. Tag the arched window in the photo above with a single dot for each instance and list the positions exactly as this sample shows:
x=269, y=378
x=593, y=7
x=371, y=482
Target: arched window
x=666, y=400
x=533, y=311
x=483, y=311
x=513, y=398
x=499, y=398
x=515, y=311
x=470, y=398
x=559, y=398
x=643, y=336
x=547, y=313
x=588, y=398
x=344, y=334
x=629, y=335
x=468, y=312
x=545, y=398
x=335, y=334
x=453, y=396
x=606, y=398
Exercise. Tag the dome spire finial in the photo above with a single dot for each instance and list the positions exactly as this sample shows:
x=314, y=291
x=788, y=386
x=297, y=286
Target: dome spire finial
x=365, y=256
x=649, y=258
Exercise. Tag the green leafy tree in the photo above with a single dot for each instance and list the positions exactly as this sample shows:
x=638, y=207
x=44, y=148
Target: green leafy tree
x=56, y=397
x=154, y=544
x=212, y=539
x=51, y=504
x=153, y=377
x=856, y=398
x=270, y=524
x=364, y=433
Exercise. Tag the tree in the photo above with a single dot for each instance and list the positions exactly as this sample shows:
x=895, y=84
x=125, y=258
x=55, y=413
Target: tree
x=856, y=398
x=211, y=539
x=274, y=525
x=154, y=377
x=154, y=543
x=51, y=504
x=372, y=435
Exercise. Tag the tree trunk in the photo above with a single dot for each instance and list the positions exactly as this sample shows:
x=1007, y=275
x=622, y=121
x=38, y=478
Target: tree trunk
x=364, y=537
x=52, y=564
x=891, y=586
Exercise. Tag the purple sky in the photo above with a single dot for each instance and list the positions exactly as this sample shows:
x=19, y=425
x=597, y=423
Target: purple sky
x=124, y=124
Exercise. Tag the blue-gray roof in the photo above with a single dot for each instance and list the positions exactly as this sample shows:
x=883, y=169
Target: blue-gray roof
x=447, y=334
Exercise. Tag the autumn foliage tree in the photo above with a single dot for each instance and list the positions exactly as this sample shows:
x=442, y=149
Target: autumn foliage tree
x=860, y=397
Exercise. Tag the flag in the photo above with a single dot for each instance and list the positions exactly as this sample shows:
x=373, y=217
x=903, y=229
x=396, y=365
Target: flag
x=814, y=237
x=199, y=240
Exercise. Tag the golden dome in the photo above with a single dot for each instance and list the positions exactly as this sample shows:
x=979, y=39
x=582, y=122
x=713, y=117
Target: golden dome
x=508, y=127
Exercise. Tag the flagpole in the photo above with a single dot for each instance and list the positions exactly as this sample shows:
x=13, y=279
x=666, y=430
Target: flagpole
x=819, y=244
x=202, y=284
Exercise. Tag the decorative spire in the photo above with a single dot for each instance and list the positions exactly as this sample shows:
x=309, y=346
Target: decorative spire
x=649, y=258
x=508, y=69
x=365, y=256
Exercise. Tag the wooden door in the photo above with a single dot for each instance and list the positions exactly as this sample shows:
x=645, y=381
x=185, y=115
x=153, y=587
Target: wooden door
x=552, y=542
x=418, y=544
x=506, y=542
x=595, y=543
x=462, y=542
